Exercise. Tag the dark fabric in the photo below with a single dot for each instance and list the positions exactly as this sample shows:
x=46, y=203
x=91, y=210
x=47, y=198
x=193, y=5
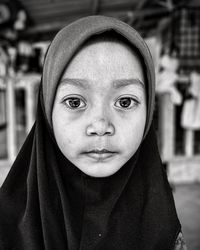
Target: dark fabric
x=48, y=203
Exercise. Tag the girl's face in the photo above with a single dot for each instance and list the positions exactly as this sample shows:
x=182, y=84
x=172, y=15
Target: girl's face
x=99, y=111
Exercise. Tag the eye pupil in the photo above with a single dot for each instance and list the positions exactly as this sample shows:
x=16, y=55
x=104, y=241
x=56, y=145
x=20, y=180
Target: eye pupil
x=125, y=102
x=74, y=102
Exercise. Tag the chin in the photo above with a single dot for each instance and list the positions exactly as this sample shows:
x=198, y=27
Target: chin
x=99, y=171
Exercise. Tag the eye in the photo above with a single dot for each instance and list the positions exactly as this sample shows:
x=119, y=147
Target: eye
x=126, y=102
x=74, y=103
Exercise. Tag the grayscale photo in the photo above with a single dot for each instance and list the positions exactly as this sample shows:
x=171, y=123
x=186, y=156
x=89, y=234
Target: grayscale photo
x=99, y=125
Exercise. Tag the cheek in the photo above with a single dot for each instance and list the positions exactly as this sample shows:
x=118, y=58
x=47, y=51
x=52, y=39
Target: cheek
x=66, y=132
x=63, y=135
x=131, y=132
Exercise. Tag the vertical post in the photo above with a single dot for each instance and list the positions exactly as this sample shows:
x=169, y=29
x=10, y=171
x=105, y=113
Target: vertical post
x=189, y=143
x=11, y=118
x=167, y=127
x=30, y=102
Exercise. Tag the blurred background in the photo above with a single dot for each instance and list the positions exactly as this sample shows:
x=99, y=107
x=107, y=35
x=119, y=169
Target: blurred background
x=171, y=28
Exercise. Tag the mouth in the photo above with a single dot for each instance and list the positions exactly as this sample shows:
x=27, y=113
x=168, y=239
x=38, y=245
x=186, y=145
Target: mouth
x=100, y=154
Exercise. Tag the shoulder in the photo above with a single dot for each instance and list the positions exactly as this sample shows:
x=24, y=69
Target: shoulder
x=180, y=243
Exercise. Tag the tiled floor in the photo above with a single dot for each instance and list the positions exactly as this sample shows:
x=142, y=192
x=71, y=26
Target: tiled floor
x=187, y=200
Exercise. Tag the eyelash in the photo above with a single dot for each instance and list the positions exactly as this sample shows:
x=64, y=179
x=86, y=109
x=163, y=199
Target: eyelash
x=133, y=102
x=80, y=99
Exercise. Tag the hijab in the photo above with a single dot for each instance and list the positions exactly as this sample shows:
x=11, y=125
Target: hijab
x=48, y=203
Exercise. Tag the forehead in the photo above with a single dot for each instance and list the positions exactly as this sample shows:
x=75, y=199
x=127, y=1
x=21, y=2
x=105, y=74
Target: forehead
x=107, y=45
x=105, y=57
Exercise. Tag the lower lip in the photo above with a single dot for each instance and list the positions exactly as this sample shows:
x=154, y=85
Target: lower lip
x=100, y=157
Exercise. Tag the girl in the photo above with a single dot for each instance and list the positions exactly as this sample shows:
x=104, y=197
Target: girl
x=89, y=175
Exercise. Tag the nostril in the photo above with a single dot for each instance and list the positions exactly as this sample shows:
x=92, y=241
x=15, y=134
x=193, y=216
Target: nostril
x=99, y=133
x=100, y=128
x=108, y=133
x=92, y=133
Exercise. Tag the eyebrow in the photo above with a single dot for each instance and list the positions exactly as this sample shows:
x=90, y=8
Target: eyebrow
x=119, y=83
x=126, y=82
x=75, y=82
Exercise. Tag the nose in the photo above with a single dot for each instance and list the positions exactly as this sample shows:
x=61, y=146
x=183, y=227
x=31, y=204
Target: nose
x=100, y=127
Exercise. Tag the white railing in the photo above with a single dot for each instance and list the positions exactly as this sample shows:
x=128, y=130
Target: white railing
x=9, y=85
x=181, y=167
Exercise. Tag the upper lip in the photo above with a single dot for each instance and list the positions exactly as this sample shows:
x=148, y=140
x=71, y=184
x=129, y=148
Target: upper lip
x=100, y=151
